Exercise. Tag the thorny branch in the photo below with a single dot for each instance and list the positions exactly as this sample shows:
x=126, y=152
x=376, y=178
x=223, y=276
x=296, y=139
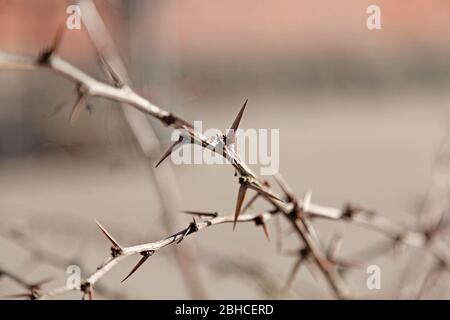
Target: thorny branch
x=299, y=212
x=36, y=251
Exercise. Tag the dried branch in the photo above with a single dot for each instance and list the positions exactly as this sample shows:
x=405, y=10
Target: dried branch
x=119, y=253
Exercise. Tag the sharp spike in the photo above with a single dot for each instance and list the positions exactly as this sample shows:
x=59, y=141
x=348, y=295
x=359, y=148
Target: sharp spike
x=334, y=247
x=58, y=37
x=109, y=70
x=285, y=187
x=169, y=151
x=241, y=195
x=90, y=293
x=140, y=262
x=267, y=193
x=293, y=273
x=313, y=269
x=347, y=264
x=266, y=230
x=201, y=214
x=46, y=54
x=77, y=108
x=188, y=230
x=279, y=234
x=250, y=202
x=231, y=134
x=109, y=236
x=430, y=279
x=259, y=221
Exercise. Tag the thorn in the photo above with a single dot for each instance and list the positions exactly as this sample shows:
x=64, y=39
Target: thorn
x=115, y=245
x=145, y=256
x=293, y=273
x=430, y=279
x=259, y=220
x=58, y=37
x=191, y=228
x=266, y=230
x=313, y=269
x=285, y=187
x=334, y=247
x=186, y=232
x=115, y=77
x=231, y=134
x=179, y=123
x=46, y=54
x=279, y=233
x=202, y=214
x=90, y=293
x=194, y=224
x=241, y=195
x=80, y=104
x=250, y=202
x=347, y=264
x=169, y=151
x=265, y=193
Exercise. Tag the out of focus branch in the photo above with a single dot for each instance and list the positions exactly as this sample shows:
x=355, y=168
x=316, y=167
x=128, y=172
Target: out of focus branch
x=167, y=189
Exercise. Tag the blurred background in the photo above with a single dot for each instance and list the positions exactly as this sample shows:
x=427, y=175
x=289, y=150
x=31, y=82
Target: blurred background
x=363, y=115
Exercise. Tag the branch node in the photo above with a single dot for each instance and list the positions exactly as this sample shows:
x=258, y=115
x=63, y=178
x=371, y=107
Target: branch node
x=349, y=211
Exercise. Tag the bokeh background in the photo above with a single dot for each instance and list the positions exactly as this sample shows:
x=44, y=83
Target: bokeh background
x=362, y=117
